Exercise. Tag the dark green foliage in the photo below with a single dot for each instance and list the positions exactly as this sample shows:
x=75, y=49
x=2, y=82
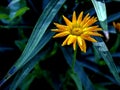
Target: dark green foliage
x=30, y=57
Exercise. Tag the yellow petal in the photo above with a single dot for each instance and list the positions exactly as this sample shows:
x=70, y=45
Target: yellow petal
x=74, y=17
x=71, y=39
x=88, y=38
x=80, y=17
x=93, y=33
x=59, y=26
x=90, y=22
x=114, y=24
x=117, y=25
x=93, y=28
x=61, y=34
x=81, y=44
x=65, y=41
x=57, y=30
x=67, y=21
x=86, y=18
x=74, y=45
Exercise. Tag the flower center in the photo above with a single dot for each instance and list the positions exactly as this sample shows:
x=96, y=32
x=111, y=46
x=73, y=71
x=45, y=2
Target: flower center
x=76, y=31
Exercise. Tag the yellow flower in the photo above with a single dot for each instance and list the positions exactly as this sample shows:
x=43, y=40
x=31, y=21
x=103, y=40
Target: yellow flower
x=117, y=26
x=78, y=30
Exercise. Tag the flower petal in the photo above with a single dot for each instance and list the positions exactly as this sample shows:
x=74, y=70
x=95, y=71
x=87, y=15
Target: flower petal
x=74, y=44
x=81, y=44
x=88, y=38
x=71, y=40
x=90, y=22
x=80, y=18
x=66, y=40
x=93, y=28
x=57, y=30
x=61, y=34
x=92, y=33
x=74, y=17
x=114, y=24
x=117, y=25
x=59, y=26
x=85, y=19
x=67, y=21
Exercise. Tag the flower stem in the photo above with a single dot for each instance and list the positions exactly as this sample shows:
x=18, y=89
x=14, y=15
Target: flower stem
x=74, y=59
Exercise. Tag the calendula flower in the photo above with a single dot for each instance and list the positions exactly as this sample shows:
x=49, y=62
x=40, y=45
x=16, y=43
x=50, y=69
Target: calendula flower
x=117, y=26
x=78, y=30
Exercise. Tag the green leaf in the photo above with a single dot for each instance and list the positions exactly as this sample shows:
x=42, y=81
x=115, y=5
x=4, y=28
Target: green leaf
x=4, y=16
x=15, y=8
x=24, y=72
x=99, y=87
x=40, y=28
x=105, y=54
x=27, y=82
x=21, y=44
x=100, y=9
x=20, y=12
x=113, y=17
x=96, y=68
x=77, y=81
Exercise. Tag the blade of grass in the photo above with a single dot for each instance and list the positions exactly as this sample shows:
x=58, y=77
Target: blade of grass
x=45, y=19
x=39, y=29
x=100, y=9
x=113, y=17
x=44, y=40
x=103, y=51
x=26, y=69
x=30, y=65
x=77, y=81
x=95, y=68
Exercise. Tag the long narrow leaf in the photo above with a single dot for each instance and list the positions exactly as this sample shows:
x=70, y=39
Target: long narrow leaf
x=100, y=9
x=26, y=69
x=39, y=30
x=113, y=17
x=45, y=19
x=95, y=68
x=103, y=51
x=77, y=81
